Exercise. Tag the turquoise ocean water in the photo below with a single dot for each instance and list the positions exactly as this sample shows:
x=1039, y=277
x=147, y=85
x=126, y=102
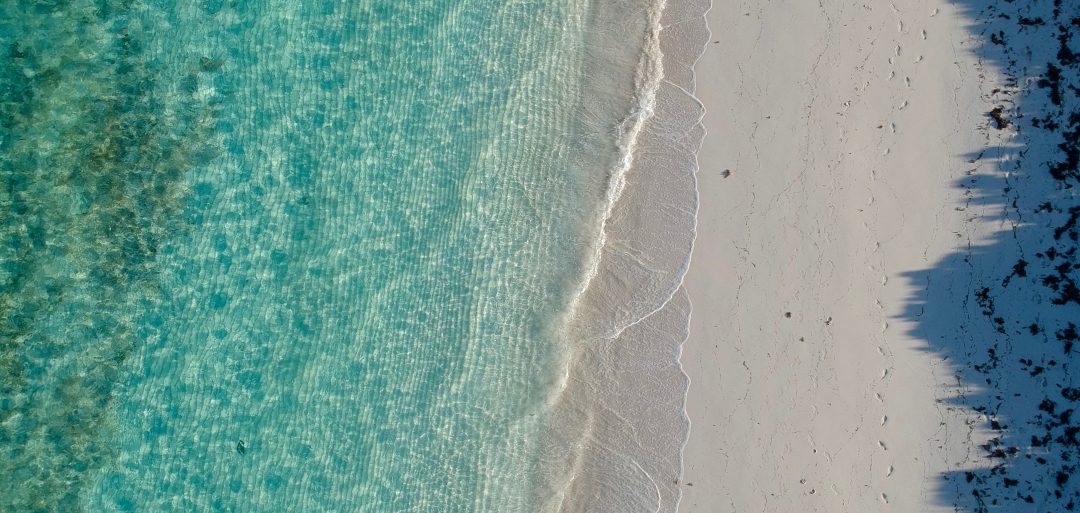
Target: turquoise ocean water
x=263, y=256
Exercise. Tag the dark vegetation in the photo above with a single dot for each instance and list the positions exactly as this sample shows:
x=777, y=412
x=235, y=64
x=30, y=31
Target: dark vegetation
x=91, y=172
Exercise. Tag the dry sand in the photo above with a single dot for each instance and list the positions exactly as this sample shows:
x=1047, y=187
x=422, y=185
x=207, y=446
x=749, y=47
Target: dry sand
x=843, y=125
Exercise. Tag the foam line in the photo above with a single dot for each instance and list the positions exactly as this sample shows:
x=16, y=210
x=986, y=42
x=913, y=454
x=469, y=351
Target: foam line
x=648, y=76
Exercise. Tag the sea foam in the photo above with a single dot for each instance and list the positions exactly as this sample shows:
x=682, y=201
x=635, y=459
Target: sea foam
x=617, y=417
x=408, y=255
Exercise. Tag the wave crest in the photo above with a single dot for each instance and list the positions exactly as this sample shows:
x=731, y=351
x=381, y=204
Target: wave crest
x=617, y=418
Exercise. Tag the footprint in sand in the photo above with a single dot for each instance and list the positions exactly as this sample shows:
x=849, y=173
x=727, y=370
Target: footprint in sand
x=892, y=74
x=886, y=152
x=884, y=372
x=903, y=105
x=934, y=12
x=890, y=471
x=885, y=498
x=918, y=59
x=897, y=50
x=884, y=419
x=878, y=397
x=900, y=26
x=892, y=127
x=884, y=326
x=884, y=280
x=924, y=35
x=882, y=445
x=907, y=81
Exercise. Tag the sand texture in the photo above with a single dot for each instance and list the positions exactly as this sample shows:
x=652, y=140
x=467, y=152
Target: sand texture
x=871, y=196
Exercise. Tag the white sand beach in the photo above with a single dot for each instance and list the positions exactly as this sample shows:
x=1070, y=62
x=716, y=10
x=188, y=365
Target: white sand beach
x=835, y=134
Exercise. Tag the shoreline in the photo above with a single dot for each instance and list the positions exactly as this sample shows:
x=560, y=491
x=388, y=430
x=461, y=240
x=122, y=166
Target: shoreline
x=617, y=418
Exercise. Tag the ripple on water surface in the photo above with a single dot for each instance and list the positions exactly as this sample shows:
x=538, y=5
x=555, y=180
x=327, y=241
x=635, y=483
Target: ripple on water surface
x=271, y=257
x=309, y=256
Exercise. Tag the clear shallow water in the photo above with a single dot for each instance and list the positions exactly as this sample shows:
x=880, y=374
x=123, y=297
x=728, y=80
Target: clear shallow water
x=340, y=232
x=352, y=236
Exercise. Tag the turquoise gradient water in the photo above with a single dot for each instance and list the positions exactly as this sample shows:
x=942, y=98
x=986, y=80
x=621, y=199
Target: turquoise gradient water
x=342, y=233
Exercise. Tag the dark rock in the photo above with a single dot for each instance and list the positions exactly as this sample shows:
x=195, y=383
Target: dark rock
x=999, y=119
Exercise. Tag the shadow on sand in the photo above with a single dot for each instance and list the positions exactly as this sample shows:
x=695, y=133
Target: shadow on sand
x=1005, y=311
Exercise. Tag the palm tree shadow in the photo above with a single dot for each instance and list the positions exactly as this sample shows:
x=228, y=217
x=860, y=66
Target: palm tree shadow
x=1004, y=312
